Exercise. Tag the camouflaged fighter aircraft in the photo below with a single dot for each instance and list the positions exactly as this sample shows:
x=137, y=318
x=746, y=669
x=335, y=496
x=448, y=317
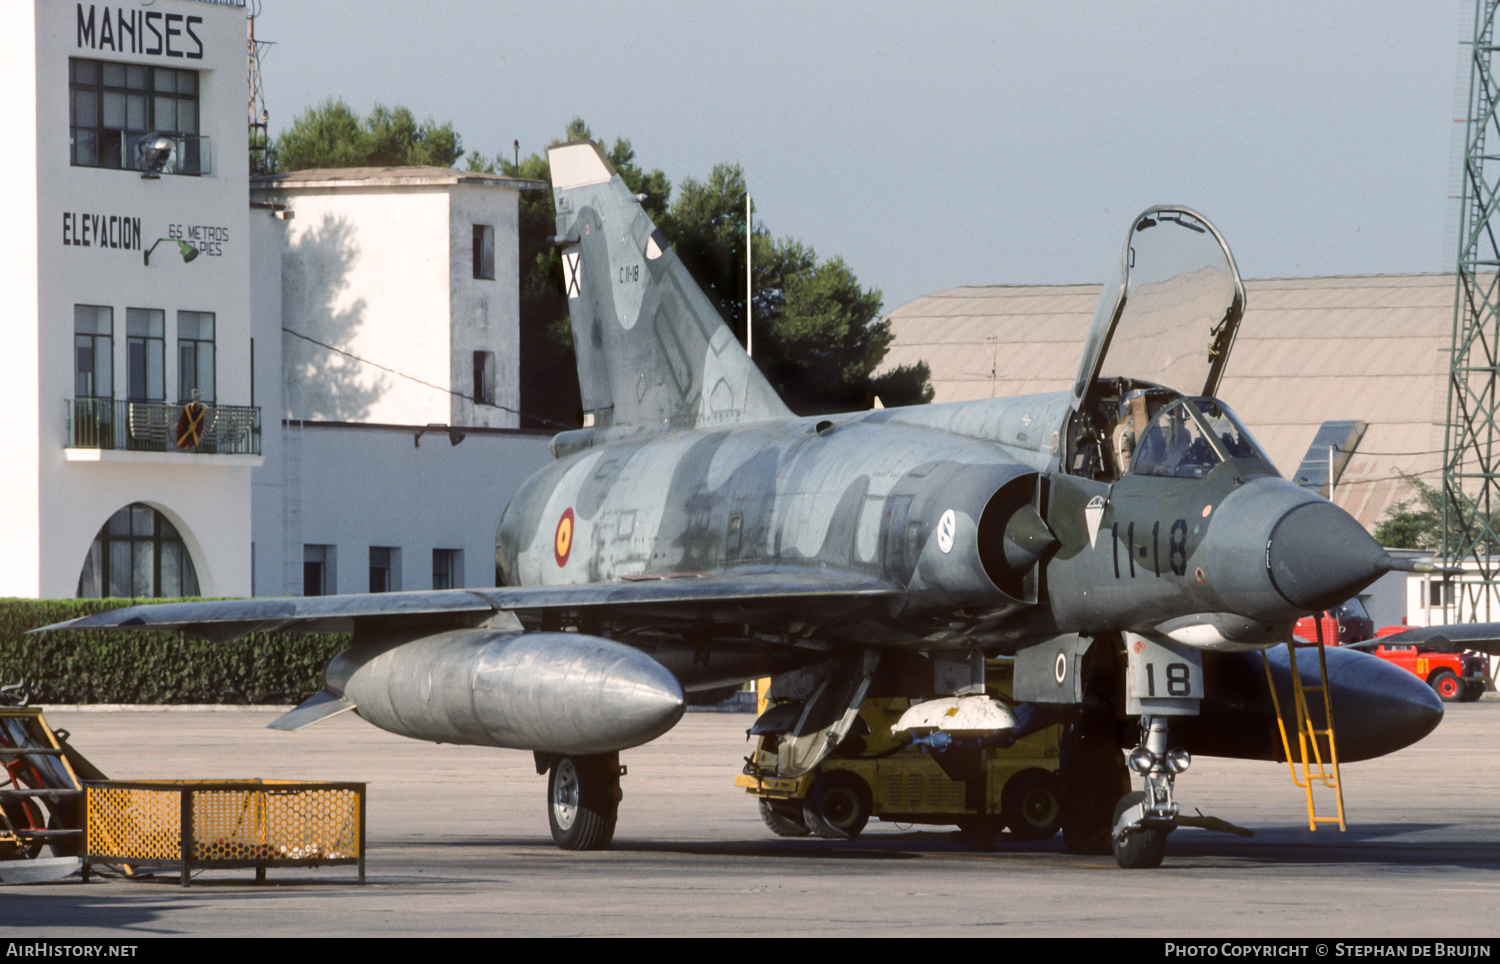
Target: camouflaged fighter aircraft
x=1127, y=541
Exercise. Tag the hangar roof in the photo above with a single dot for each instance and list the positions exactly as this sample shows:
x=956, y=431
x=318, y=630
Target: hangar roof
x=1309, y=350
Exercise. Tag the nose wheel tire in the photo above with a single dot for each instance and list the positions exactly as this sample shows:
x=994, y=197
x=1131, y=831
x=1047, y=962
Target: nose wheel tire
x=838, y=806
x=783, y=818
x=1141, y=849
x=583, y=801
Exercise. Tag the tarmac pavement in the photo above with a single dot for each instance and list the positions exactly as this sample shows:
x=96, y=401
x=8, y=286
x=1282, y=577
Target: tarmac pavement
x=458, y=844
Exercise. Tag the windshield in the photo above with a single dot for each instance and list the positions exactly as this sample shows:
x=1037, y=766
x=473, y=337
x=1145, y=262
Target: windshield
x=1351, y=609
x=1187, y=439
x=1234, y=439
x=1176, y=445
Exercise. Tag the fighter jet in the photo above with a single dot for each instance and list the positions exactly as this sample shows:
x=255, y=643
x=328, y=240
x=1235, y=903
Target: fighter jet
x=1127, y=541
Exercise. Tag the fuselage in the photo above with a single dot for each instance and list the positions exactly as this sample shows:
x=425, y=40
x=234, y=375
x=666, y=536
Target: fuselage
x=923, y=498
x=837, y=491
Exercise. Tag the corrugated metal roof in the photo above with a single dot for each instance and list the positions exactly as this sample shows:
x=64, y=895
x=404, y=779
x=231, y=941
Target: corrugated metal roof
x=1309, y=350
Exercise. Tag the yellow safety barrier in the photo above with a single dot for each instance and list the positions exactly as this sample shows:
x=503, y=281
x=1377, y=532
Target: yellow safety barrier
x=199, y=824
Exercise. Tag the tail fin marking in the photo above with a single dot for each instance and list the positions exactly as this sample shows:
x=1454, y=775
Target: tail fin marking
x=651, y=348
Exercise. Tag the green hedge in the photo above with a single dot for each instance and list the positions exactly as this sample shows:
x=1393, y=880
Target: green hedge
x=113, y=666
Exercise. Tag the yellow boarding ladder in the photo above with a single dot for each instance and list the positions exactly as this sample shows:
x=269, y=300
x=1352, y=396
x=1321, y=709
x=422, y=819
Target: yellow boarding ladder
x=1314, y=766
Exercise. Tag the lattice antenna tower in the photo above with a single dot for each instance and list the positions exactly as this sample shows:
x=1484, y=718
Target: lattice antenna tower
x=260, y=138
x=1471, y=451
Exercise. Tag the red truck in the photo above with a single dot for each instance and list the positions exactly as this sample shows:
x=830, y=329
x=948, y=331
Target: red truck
x=1455, y=677
x=1346, y=623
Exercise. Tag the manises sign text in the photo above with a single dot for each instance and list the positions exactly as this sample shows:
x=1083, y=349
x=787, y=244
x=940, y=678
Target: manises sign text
x=153, y=32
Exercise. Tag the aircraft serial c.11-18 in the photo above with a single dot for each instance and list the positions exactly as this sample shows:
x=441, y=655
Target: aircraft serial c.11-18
x=1127, y=542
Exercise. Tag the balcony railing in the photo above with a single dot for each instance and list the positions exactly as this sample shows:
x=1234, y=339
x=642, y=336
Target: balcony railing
x=103, y=423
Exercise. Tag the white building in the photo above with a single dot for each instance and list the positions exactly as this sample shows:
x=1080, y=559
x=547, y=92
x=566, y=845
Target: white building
x=127, y=127
x=396, y=307
x=128, y=264
x=398, y=267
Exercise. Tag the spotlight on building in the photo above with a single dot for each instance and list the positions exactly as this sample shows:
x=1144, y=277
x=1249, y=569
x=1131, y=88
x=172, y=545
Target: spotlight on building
x=155, y=151
x=187, y=251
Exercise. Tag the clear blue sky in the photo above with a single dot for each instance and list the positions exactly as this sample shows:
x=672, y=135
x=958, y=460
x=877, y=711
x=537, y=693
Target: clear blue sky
x=954, y=143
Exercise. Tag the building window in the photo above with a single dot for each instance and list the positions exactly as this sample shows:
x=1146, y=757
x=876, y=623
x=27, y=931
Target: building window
x=447, y=568
x=138, y=553
x=484, y=252
x=115, y=108
x=145, y=354
x=318, y=575
x=385, y=569
x=195, y=355
x=93, y=351
x=484, y=377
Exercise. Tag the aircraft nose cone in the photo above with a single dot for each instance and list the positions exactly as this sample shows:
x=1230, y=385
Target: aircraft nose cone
x=1319, y=556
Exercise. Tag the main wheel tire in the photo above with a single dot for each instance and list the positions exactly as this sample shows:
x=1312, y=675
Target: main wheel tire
x=1092, y=773
x=1473, y=690
x=1091, y=770
x=1141, y=849
x=783, y=818
x=582, y=804
x=1031, y=805
x=838, y=806
x=1447, y=686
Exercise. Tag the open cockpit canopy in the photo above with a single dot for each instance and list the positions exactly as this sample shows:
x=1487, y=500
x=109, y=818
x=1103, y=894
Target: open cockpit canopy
x=1169, y=313
x=1143, y=399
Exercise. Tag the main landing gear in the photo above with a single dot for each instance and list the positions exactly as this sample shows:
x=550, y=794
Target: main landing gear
x=583, y=798
x=1090, y=768
x=1092, y=776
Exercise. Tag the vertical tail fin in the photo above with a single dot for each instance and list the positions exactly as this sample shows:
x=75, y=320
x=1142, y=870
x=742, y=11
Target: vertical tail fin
x=651, y=348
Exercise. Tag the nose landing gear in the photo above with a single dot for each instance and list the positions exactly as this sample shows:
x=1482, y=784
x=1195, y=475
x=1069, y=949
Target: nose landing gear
x=1143, y=818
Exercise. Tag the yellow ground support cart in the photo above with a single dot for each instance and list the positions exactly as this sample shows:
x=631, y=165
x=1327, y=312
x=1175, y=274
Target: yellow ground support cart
x=872, y=774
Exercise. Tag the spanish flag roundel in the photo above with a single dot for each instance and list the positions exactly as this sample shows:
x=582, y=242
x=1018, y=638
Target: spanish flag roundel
x=562, y=540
